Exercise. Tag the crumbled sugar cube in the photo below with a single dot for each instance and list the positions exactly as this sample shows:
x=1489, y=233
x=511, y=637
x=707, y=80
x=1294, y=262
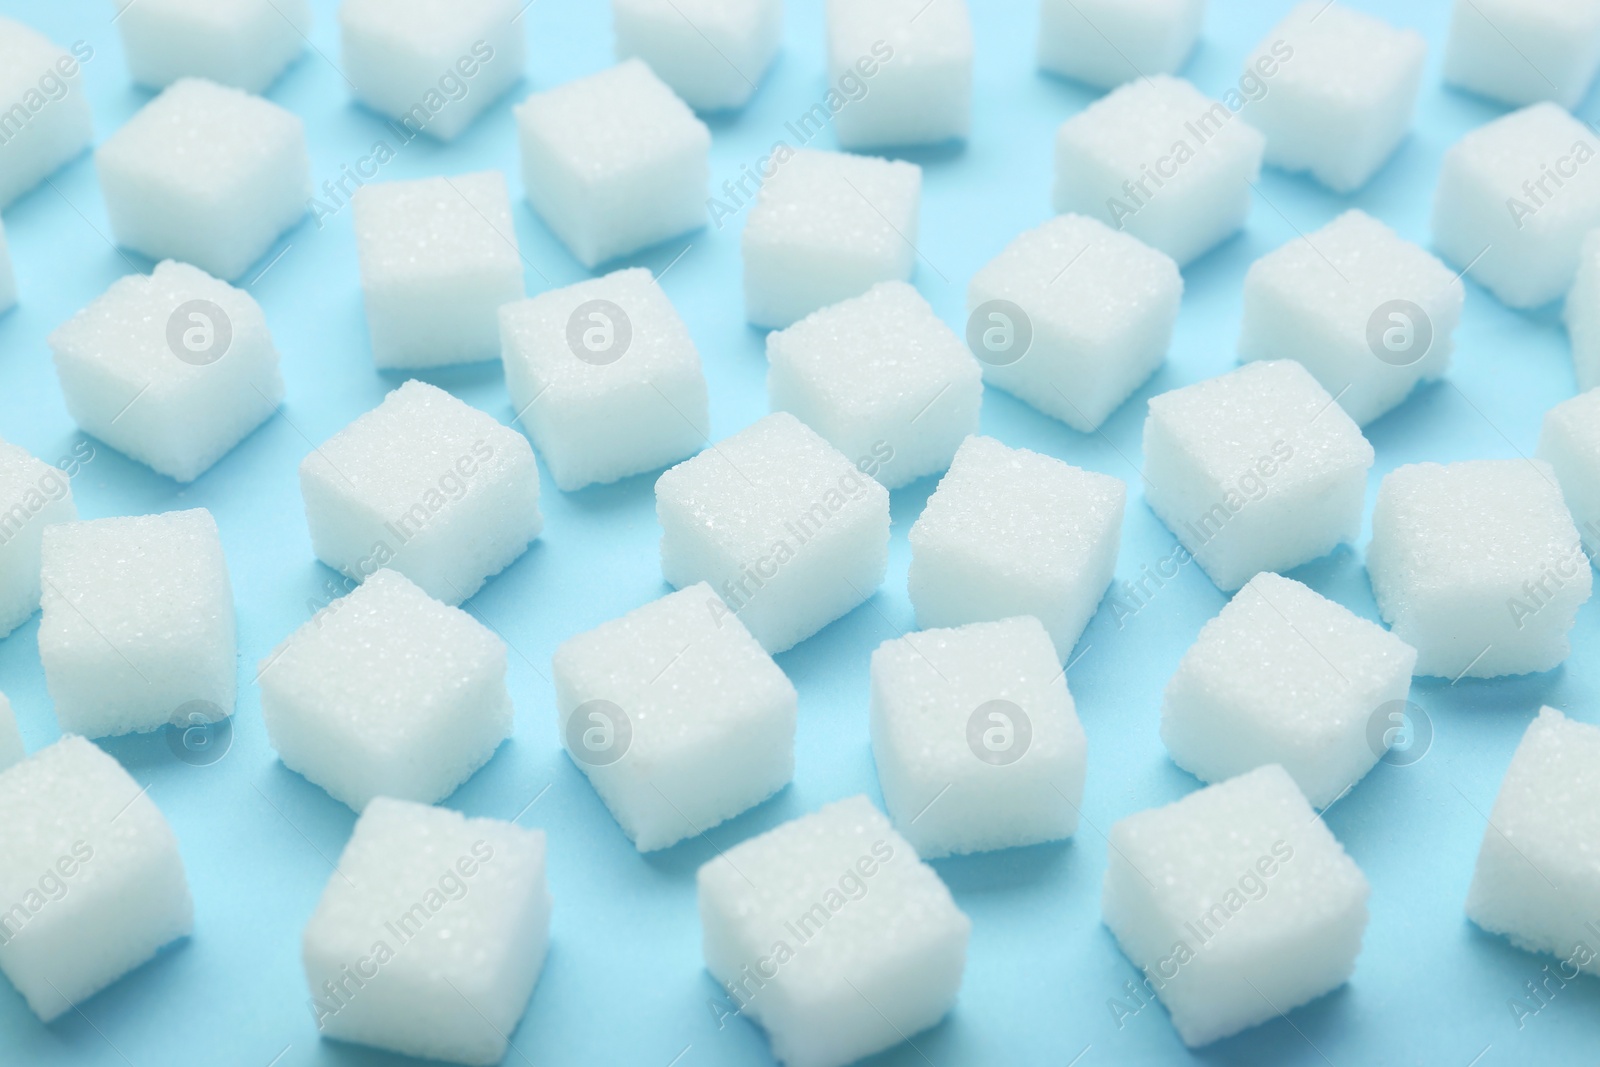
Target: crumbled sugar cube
x=614, y=162
x=1107, y=42
x=1013, y=532
x=786, y=529
x=173, y=368
x=1483, y=592
x=430, y=937
x=833, y=935
x=33, y=494
x=431, y=65
x=1162, y=161
x=1514, y=201
x=1570, y=443
x=1255, y=470
x=91, y=875
x=605, y=377
x=882, y=379
x=1523, y=51
x=47, y=121
x=912, y=62
x=677, y=715
x=11, y=750
x=243, y=43
x=828, y=226
x=387, y=692
x=713, y=53
x=8, y=277
x=426, y=485
x=1367, y=313
x=1582, y=314
x=1072, y=316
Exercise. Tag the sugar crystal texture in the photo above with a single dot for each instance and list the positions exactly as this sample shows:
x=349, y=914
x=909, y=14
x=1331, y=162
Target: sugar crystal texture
x=912, y=62
x=11, y=750
x=243, y=43
x=1107, y=42
x=1523, y=51
x=713, y=53
x=8, y=277
x=47, y=120
x=33, y=494
x=1570, y=443
x=1582, y=313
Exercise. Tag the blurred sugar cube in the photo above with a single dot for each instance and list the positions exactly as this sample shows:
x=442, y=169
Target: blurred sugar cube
x=1523, y=51
x=242, y=43
x=33, y=495
x=11, y=750
x=1582, y=313
x=1570, y=443
x=912, y=60
x=47, y=121
x=1107, y=42
x=713, y=53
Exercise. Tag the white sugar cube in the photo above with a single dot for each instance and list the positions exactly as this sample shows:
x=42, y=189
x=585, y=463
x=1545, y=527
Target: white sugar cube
x=8, y=277
x=677, y=715
x=833, y=935
x=1072, y=316
x=1514, y=200
x=174, y=368
x=243, y=43
x=425, y=485
x=46, y=120
x=1582, y=313
x=1367, y=313
x=713, y=53
x=1013, y=532
x=1283, y=675
x=919, y=55
x=882, y=379
x=828, y=226
x=1570, y=443
x=90, y=873
x=1481, y=598
x=11, y=750
x=33, y=494
x=431, y=65
x=781, y=524
x=431, y=934
x=1162, y=161
x=1524, y=51
x=1107, y=42
x=1255, y=470
x=605, y=377
x=614, y=162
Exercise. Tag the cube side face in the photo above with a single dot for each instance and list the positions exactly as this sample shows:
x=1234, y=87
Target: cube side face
x=38, y=134
x=713, y=67
x=33, y=495
x=1569, y=444
x=921, y=91
x=246, y=47
x=1519, y=55
x=1105, y=44
x=1582, y=315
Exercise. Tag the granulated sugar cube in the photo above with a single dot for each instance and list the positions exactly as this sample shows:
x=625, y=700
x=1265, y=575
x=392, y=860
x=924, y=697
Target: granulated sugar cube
x=11, y=750
x=1162, y=161
x=828, y=226
x=831, y=934
x=614, y=162
x=91, y=873
x=173, y=368
x=33, y=494
x=1236, y=903
x=430, y=935
x=882, y=379
x=1582, y=313
x=677, y=715
x=1256, y=470
x=713, y=53
x=1013, y=532
x=1523, y=51
x=1284, y=675
x=605, y=378
x=1570, y=443
x=438, y=258
x=1514, y=200
x=1483, y=592
x=1072, y=316
x=243, y=43
x=905, y=69
x=8, y=277
x=782, y=525
x=387, y=692
x=1368, y=313
x=47, y=121
x=1107, y=42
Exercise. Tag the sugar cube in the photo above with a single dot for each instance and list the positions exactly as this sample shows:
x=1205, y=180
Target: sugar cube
x=33, y=494
x=1255, y=470
x=243, y=43
x=781, y=524
x=425, y=485
x=11, y=750
x=833, y=935
x=46, y=120
x=174, y=368
x=713, y=53
x=430, y=936
x=1367, y=313
x=677, y=715
x=1582, y=313
x=882, y=379
x=614, y=162
x=605, y=377
x=1072, y=316
x=919, y=55
x=1570, y=443
x=1107, y=42
x=1523, y=51
x=1492, y=595
x=828, y=226
x=1159, y=159
x=90, y=872
x=8, y=277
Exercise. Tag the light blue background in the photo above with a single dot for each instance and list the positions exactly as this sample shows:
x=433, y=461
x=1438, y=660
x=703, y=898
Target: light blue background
x=624, y=982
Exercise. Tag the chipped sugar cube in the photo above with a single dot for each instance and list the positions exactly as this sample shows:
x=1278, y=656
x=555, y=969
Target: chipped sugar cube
x=242, y=43
x=904, y=68
x=47, y=121
x=33, y=495
x=1107, y=42
x=1570, y=443
x=1523, y=51
x=713, y=53
x=11, y=750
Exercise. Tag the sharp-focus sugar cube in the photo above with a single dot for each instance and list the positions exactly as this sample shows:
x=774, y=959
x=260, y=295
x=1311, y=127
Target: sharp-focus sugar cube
x=1570, y=443
x=1013, y=532
x=8, y=277
x=11, y=750
x=1367, y=313
x=1524, y=51
x=882, y=379
x=605, y=377
x=1162, y=161
x=1072, y=316
x=833, y=935
x=614, y=162
x=828, y=226
x=90, y=875
x=33, y=494
x=1255, y=470
x=46, y=120
x=1515, y=198
x=173, y=368
x=430, y=936
x=677, y=715
x=1582, y=314
x=1108, y=42
x=1484, y=590
x=781, y=524
x=713, y=53
x=914, y=58
x=243, y=43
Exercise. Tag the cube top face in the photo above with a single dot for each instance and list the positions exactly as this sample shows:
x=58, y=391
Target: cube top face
x=436, y=228
x=1522, y=51
x=1549, y=800
x=440, y=29
x=919, y=32
x=1341, y=57
x=28, y=481
x=1573, y=427
x=1108, y=42
x=25, y=54
x=731, y=19
x=831, y=201
x=613, y=124
x=1514, y=157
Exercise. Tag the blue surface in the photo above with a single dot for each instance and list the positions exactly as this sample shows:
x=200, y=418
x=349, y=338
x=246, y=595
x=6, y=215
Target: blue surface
x=624, y=982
